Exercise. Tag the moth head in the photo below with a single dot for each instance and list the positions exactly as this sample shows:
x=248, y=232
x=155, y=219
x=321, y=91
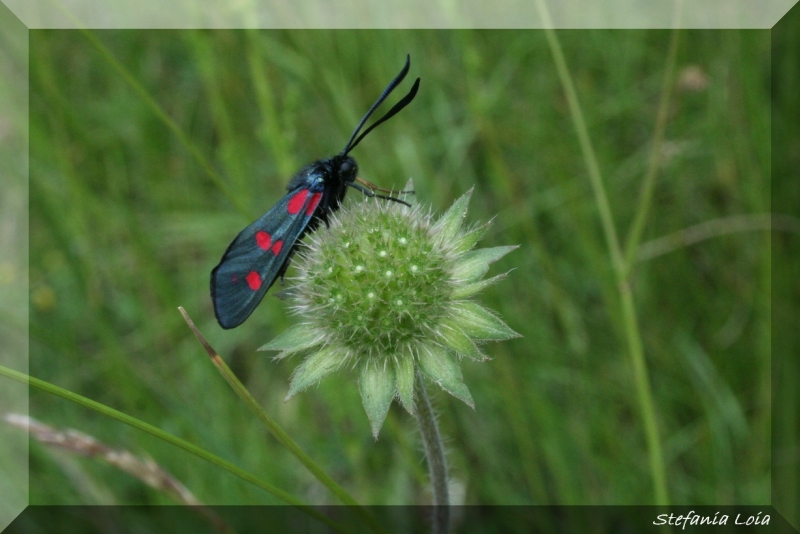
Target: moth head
x=348, y=168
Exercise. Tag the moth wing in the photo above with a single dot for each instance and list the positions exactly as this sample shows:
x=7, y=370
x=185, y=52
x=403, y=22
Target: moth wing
x=253, y=260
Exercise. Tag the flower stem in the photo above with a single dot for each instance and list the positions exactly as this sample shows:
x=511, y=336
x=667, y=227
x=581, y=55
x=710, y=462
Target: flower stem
x=434, y=452
x=630, y=323
x=648, y=185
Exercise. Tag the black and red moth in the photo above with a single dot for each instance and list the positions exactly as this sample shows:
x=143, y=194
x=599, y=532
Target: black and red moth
x=261, y=253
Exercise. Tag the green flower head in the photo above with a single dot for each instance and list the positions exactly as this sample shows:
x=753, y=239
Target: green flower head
x=386, y=290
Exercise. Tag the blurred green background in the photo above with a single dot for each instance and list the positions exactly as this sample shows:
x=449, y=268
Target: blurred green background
x=126, y=223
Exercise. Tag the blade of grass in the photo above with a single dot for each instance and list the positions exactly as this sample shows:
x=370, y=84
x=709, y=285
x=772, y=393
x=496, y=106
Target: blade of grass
x=275, y=429
x=536, y=480
x=646, y=194
x=765, y=222
x=169, y=438
x=270, y=129
x=157, y=110
x=629, y=320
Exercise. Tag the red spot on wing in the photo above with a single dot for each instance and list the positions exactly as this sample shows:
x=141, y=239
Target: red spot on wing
x=297, y=201
x=253, y=280
x=276, y=248
x=263, y=240
x=313, y=204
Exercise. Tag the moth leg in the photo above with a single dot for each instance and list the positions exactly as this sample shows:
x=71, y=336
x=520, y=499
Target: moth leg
x=382, y=190
x=324, y=208
x=286, y=263
x=372, y=194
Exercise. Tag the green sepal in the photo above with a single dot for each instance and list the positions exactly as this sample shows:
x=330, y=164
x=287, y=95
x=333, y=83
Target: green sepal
x=470, y=238
x=314, y=368
x=295, y=353
x=454, y=338
x=404, y=368
x=298, y=337
x=447, y=227
x=377, y=385
x=411, y=198
x=473, y=265
x=468, y=290
x=479, y=323
x=441, y=367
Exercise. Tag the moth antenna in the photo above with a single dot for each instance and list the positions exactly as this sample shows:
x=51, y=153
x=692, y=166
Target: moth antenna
x=351, y=143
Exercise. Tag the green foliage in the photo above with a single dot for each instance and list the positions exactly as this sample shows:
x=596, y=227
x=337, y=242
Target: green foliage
x=127, y=220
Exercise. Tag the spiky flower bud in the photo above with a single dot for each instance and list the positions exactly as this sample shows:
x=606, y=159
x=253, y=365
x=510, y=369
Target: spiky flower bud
x=386, y=290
